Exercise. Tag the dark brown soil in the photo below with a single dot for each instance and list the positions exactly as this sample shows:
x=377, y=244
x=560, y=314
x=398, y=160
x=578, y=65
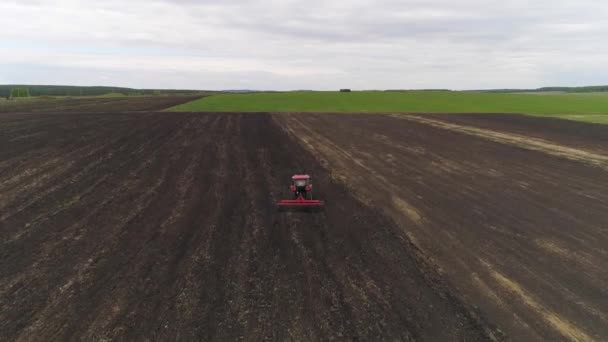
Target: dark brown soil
x=584, y=135
x=162, y=226
x=95, y=104
x=520, y=231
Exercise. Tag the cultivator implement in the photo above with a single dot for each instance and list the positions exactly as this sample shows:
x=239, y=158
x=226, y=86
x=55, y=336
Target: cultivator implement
x=300, y=202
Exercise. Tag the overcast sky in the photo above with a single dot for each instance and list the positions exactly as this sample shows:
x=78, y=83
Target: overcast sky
x=313, y=44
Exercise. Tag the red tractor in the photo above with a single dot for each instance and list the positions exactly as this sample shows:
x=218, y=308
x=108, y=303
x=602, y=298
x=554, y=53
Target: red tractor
x=301, y=187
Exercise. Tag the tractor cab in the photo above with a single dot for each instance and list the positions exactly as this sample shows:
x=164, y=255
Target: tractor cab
x=300, y=184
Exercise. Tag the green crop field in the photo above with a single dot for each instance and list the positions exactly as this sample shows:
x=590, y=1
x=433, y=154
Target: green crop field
x=112, y=95
x=582, y=107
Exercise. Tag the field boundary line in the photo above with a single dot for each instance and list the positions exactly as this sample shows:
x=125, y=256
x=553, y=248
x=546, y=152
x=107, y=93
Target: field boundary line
x=522, y=141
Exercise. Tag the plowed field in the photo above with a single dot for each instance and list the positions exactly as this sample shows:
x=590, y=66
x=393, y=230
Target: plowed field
x=162, y=226
x=514, y=212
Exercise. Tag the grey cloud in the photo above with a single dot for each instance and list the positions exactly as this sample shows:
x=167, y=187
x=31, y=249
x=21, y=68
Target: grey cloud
x=312, y=44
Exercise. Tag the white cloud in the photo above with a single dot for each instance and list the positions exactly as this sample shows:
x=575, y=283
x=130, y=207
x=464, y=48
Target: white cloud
x=305, y=44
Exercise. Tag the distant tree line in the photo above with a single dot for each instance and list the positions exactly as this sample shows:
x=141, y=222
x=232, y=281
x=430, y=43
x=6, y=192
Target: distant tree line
x=590, y=89
x=51, y=90
x=587, y=89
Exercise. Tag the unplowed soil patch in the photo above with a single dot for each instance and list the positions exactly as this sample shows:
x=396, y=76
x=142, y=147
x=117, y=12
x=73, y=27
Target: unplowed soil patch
x=586, y=136
x=519, y=227
x=162, y=226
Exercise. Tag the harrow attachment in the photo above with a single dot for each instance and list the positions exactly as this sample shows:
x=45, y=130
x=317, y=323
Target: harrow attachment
x=300, y=203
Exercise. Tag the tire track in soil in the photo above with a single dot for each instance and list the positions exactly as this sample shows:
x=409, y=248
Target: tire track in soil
x=175, y=236
x=155, y=263
x=50, y=142
x=53, y=259
x=59, y=196
x=39, y=185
